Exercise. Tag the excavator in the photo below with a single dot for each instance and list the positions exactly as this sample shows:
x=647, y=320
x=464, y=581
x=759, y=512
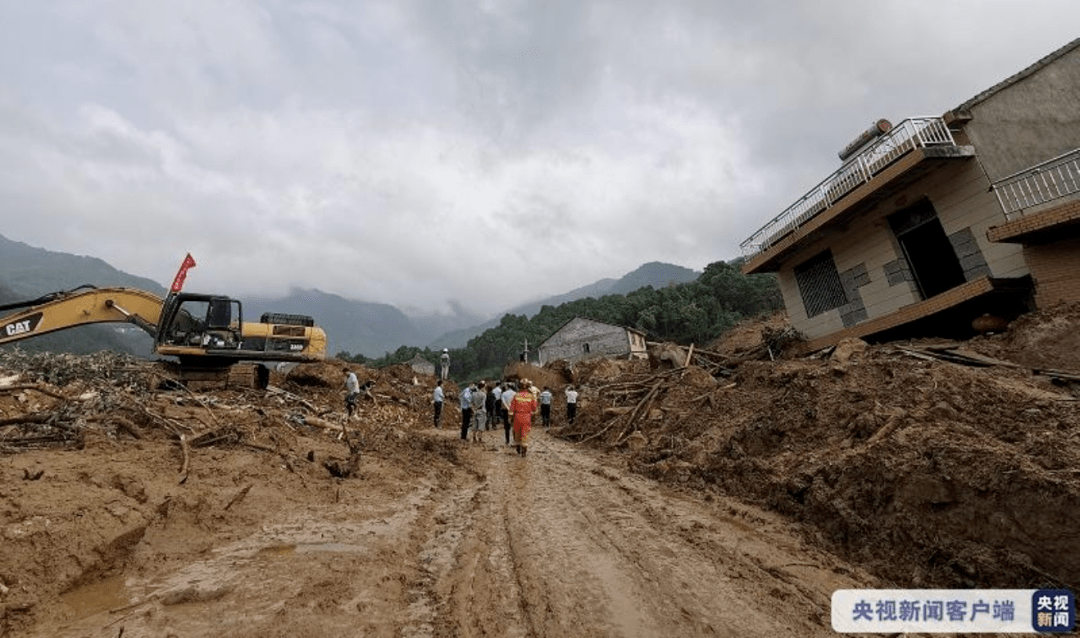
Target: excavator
x=206, y=333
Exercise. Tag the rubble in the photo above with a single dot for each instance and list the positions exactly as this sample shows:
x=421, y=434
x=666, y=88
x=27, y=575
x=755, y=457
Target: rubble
x=135, y=441
x=929, y=463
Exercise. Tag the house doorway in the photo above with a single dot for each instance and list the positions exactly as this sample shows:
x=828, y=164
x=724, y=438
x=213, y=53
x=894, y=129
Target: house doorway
x=927, y=248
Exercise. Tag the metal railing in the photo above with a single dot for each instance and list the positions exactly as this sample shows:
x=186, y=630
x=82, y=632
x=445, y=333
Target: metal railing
x=1054, y=178
x=912, y=133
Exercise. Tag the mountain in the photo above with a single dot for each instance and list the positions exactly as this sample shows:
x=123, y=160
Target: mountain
x=27, y=272
x=356, y=327
x=30, y=271
x=654, y=273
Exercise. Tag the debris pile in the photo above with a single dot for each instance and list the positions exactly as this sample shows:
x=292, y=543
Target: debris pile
x=930, y=464
x=100, y=453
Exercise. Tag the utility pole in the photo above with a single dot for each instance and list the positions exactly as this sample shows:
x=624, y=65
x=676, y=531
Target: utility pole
x=525, y=352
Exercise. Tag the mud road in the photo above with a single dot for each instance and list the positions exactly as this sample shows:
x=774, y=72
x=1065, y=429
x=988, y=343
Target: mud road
x=561, y=543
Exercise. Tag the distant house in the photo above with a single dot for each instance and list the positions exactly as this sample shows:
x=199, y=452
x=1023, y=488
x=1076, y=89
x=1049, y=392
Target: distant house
x=930, y=223
x=421, y=365
x=582, y=338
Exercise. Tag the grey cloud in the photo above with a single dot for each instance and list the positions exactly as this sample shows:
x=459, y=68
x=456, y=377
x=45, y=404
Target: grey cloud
x=390, y=151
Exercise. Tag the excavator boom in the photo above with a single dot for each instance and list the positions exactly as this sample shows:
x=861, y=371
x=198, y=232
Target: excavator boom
x=82, y=306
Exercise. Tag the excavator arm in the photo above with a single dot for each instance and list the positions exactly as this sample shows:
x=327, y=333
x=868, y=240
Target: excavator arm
x=81, y=306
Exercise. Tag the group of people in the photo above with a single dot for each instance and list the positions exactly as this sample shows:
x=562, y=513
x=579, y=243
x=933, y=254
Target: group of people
x=512, y=403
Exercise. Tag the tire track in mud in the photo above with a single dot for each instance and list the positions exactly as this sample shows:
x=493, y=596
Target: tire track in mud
x=560, y=544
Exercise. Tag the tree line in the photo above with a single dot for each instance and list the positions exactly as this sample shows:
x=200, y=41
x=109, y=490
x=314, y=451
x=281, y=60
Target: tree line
x=694, y=312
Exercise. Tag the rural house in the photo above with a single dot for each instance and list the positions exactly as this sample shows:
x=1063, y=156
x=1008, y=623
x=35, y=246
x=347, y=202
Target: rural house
x=421, y=365
x=582, y=338
x=932, y=222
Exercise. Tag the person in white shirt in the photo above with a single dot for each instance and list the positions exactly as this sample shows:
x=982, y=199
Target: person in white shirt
x=439, y=397
x=352, y=390
x=571, y=404
x=444, y=363
x=506, y=399
x=466, y=411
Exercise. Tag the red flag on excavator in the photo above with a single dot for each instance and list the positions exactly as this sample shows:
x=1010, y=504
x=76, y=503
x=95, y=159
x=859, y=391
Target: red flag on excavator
x=178, y=281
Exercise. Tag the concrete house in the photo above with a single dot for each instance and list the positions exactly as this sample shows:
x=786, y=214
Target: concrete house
x=421, y=365
x=932, y=222
x=582, y=338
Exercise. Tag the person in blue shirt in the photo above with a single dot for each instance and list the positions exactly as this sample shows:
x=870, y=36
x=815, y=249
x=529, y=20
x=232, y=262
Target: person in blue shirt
x=545, y=407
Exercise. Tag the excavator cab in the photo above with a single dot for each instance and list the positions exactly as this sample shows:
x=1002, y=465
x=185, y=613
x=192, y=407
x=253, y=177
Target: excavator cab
x=202, y=321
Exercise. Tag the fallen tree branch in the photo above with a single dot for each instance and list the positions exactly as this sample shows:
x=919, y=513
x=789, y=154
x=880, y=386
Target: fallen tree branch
x=188, y=390
x=239, y=497
x=14, y=388
x=187, y=458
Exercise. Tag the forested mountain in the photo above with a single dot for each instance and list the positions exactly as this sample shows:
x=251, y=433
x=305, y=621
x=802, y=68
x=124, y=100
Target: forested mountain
x=693, y=312
x=655, y=274
x=27, y=272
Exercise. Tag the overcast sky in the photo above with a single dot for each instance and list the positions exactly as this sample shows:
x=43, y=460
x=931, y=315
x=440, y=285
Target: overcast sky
x=486, y=152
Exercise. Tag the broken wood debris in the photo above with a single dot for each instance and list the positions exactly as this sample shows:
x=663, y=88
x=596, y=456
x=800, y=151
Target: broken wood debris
x=954, y=353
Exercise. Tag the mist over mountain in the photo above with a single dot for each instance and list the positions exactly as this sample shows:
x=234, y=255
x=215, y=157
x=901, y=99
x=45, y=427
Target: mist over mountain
x=655, y=274
x=356, y=327
x=353, y=326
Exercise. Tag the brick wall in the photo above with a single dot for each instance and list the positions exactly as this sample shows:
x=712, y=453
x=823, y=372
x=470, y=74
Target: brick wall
x=1036, y=219
x=1056, y=270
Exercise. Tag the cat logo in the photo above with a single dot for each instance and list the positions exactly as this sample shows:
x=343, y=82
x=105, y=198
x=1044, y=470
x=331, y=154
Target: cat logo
x=21, y=327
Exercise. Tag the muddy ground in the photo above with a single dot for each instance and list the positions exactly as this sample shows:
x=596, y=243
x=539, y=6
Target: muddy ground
x=728, y=497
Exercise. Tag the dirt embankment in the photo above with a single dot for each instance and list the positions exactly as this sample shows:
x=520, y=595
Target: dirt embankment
x=926, y=472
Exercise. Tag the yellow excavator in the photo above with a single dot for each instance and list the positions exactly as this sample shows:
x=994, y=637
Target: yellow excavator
x=206, y=333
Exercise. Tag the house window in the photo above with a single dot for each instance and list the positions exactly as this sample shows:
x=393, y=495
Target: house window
x=819, y=284
x=585, y=348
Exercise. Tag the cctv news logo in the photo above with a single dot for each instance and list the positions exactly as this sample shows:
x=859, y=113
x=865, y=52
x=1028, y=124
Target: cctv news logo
x=22, y=326
x=953, y=610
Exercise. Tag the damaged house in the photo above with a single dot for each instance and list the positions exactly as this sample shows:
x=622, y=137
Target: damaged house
x=931, y=223
x=582, y=338
x=421, y=365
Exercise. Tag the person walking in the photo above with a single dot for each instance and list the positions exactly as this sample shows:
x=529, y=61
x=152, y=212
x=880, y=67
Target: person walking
x=545, y=407
x=571, y=404
x=439, y=396
x=444, y=364
x=479, y=417
x=352, y=390
x=522, y=409
x=490, y=399
x=466, y=411
x=505, y=399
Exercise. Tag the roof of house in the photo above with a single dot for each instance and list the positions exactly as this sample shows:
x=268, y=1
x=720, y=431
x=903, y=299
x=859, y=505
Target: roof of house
x=1013, y=79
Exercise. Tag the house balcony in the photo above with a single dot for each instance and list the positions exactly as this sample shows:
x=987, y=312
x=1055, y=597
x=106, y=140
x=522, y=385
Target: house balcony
x=1041, y=203
x=893, y=161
